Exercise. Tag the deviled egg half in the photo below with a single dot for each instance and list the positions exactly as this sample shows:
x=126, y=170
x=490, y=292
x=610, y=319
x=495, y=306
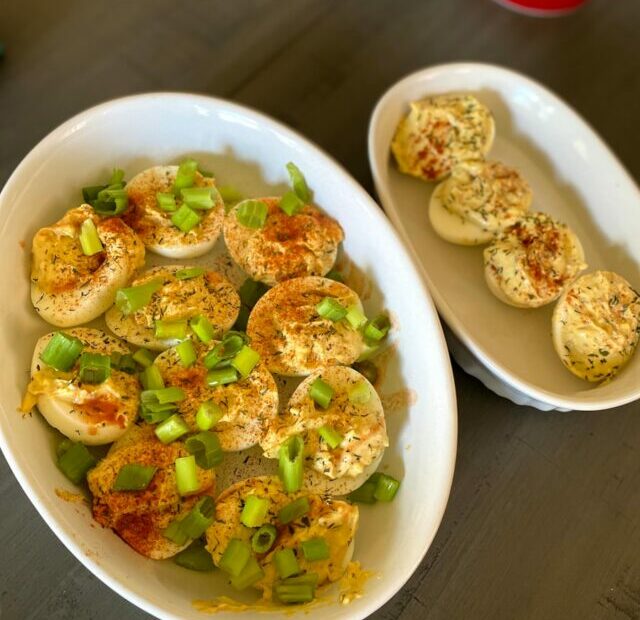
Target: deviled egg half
x=78, y=390
x=285, y=544
x=478, y=200
x=294, y=337
x=163, y=306
x=281, y=242
x=533, y=261
x=177, y=211
x=339, y=417
x=242, y=402
x=596, y=325
x=79, y=263
x=441, y=132
x=142, y=516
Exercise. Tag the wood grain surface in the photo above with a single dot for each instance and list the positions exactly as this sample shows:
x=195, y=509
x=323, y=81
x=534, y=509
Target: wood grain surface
x=543, y=520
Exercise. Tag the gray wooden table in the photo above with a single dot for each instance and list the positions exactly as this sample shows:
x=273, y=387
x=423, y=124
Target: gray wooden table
x=544, y=516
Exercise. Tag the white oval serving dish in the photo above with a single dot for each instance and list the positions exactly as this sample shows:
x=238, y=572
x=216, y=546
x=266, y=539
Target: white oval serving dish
x=574, y=176
x=248, y=150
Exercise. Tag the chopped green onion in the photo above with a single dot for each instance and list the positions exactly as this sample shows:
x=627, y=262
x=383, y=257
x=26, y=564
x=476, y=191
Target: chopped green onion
x=368, y=370
x=355, y=317
x=208, y=415
x=123, y=362
x=332, y=309
x=144, y=357
x=167, y=202
x=197, y=197
x=254, y=511
x=205, y=173
x=128, y=300
x=286, y=563
x=185, y=218
x=298, y=182
x=308, y=579
x=332, y=437
x=171, y=330
x=206, y=449
x=293, y=593
x=75, y=462
x=252, y=213
x=250, y=291
x=376, y=329
x=321, y=393
x=231, y=344
x=264, y=538
x=108, y=199
x=151, y=378
x=90, y=193
x=152, y=414
x=235, y=557
x=364, y=494
x=290, y=463
x=186, y=475
x=62, y=351
x=189, y=272
x=229, y=194
x=186, y=352
x=245, y=361
x=169, y=395
x=133, y=477
x=89, y=239
x=386, y=487
x=171, y=429
x=94, y=368
x=117, y=177
x=335, y=275
x=186, y=175
x=195, y=557
x=290, y=203
x=63, y=446
x=360, y=393
x=296, y=509
x=243, y=318
x=251, y=573
x=315, y=549
x=202, y=328
x=221, y=376
x=194, y=524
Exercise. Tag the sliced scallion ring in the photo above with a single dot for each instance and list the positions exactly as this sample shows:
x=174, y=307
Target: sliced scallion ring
x=186, y=475
x=75, y=462
x=133, y=477
x=299, y=183
x=62, y=351
x=264, y=538
x=171, y=330
x=128, y=300
x=252, y=213
x=89, y=239
x=186, y=352
x=195, y=557
x=186, y=175
x=189, y=272
x=202, y=328
x=254, y=511
x=296, y=509
x=321, y=393
x=290, y=463
x=331, y=436
x=290, y=203
x=171, y=429
x=235, y=557
x=208, y=415
x=206, y=449
x=94, y=367
x=185, y=218
x=332, y=309
x=167, y=202
x=286, y=563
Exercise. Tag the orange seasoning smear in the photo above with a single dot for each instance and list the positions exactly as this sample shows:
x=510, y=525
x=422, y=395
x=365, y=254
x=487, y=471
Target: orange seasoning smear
x=353, y=582
x=399, y=400
x=68, y=496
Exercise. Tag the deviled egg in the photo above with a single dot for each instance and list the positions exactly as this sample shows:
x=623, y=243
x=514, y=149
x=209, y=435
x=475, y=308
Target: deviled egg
x=439, y=133
x=478, y=200
x=175, y=297
x=301, y=242
x=78, y=390
x=533, y=261
x=596, y=325
x=339, y=417
x=79, y=263
x=292, y=335
x=169, y=221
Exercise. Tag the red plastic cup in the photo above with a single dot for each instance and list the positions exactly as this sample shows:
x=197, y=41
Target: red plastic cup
x=542, y=8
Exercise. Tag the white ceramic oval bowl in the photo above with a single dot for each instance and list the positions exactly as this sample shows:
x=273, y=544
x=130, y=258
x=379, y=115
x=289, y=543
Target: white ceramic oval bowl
x=574, y=176
x=139, y=131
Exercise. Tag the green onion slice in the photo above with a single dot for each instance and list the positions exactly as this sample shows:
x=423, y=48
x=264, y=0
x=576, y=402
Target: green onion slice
x=128, y=300
x=171, y=330
x=315, y=549
x=376, y=329
x=151, y=378
x=94, y=368
x=254, y=511
x=331, y=309
x=89, y=239
x=63, y=446
x=286, y=563
x=252, y=213
x=229, y=194
x=251, y=573
x=185, y=218
x=171, y=429
x=221, y=376
x=250, y=291
x=235, y=557
x=208, y=415
x=298, y=182
x=123, y=362
x=194, y=524
x=167, y=202
x=206, y=449
x=245, y=361
x=62, y=351
x=133, y=477
x=186, y=175
x=308, y=579
x=75, y=462
x=264, y=538
x=197, y=197
x=364, y=494
x=186, y=352
x=290, y=203
x=355, y=317
x=165, y=395
x=189, y=272
x=144, y=357
x=195, y=557
x=186, y=475
x=334, y=274
x=202, y=328
x=291, y=463
x=321, y=393
x=332, y=437
x=386, y=487
x=291, y=594
x=296, y=509
x=243, y=318
x=360, y=393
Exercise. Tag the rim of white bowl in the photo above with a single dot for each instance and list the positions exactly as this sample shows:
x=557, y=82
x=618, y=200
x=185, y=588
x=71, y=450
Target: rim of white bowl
x=39, y=499
x=376, y=163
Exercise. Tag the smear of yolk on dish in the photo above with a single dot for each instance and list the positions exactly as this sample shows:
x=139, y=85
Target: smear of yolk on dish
x=353, y=582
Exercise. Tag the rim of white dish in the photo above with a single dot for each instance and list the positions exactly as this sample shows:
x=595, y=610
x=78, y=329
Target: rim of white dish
x=39, y=498
x=502, y=372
